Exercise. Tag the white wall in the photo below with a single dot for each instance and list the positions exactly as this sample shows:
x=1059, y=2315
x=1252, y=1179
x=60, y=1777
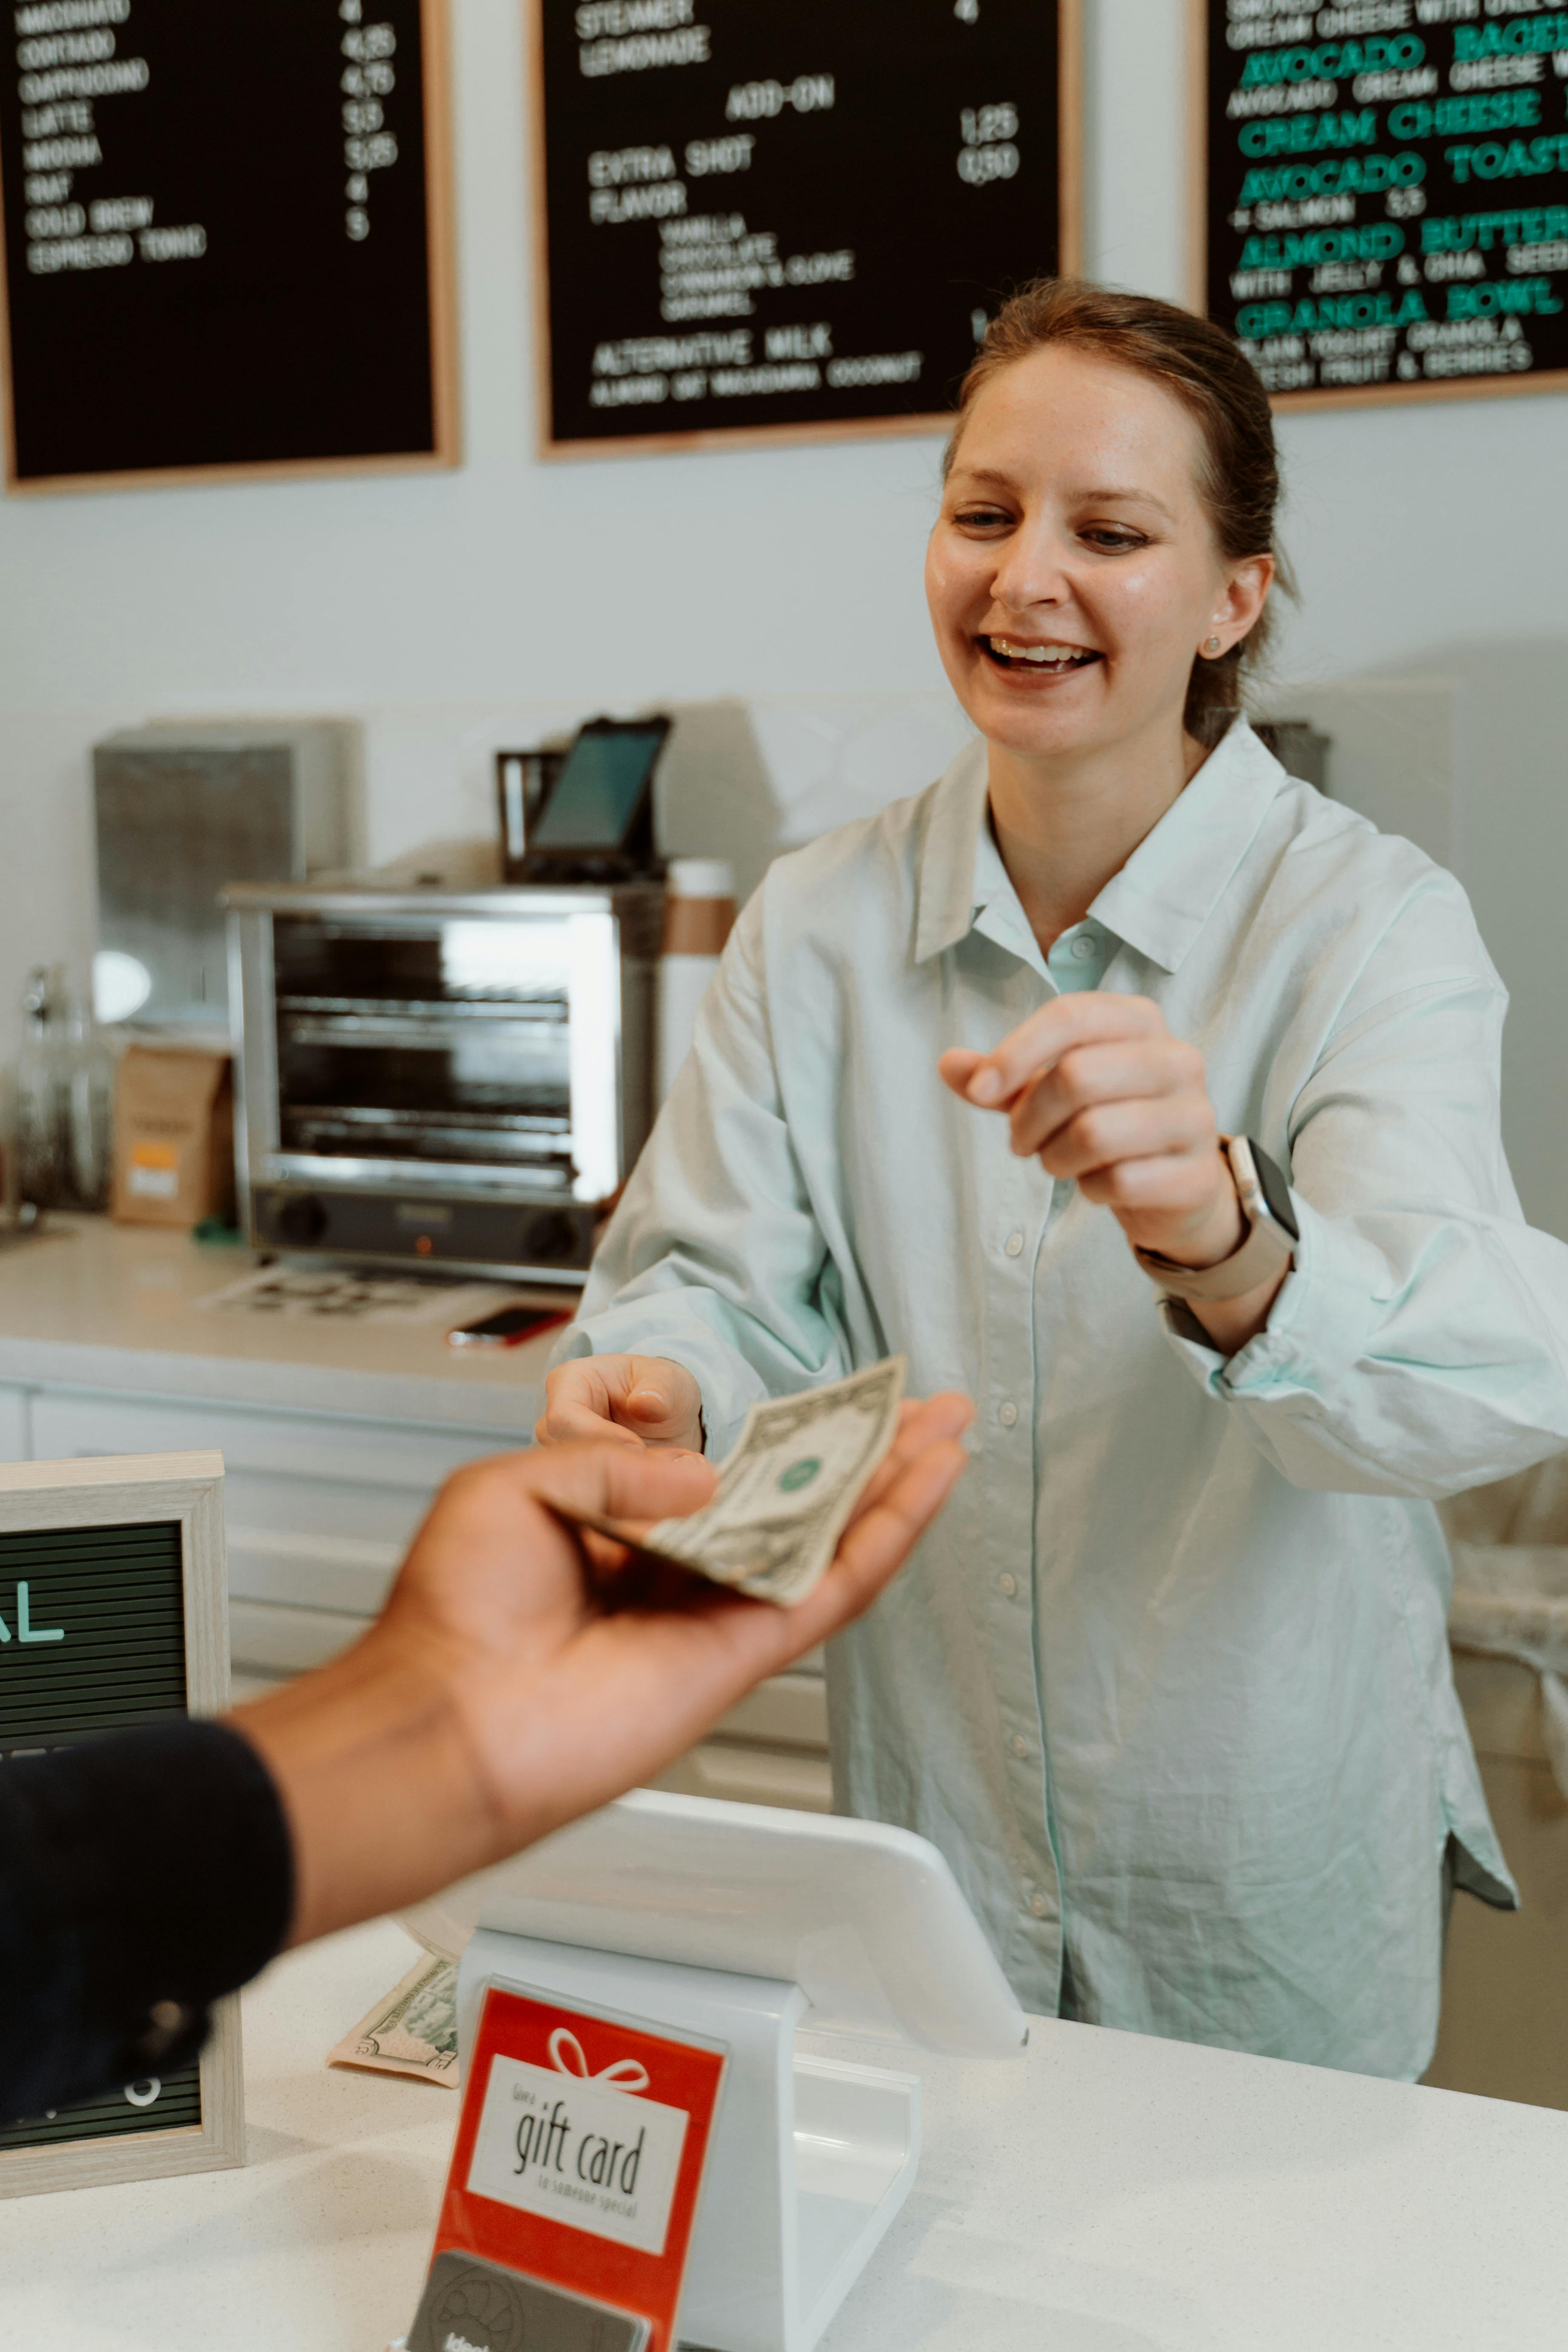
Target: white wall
x=451, y=611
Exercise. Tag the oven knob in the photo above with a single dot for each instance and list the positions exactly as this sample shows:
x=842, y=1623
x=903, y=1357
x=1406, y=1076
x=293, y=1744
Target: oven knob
x=552, y=1239
x=301, y=1218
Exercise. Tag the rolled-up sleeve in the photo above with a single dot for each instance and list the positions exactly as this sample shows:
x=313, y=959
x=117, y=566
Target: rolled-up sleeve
x=1417, y=1348
x=714, y=1256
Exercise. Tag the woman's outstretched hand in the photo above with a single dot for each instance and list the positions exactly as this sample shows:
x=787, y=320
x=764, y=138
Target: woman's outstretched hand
x=523, y=1673
x=632, y=1400
x=1096, y=1087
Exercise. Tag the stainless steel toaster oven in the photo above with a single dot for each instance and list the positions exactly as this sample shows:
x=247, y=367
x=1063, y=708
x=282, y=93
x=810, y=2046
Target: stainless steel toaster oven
x=457, y=1079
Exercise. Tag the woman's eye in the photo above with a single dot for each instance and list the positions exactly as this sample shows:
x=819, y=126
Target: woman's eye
x=981, y=519
x=1115, y=542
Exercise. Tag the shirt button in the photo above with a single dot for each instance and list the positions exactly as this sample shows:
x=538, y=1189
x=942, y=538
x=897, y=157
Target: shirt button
x=1083, y=947
x=1039, y=1905
x=1009, y=1414
x=1007, y=1584
x=1013, y=1246
x=1020, y=1745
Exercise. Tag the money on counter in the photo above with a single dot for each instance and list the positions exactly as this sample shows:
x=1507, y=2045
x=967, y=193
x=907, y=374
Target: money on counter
x=785, y=1493
x=413, y=2031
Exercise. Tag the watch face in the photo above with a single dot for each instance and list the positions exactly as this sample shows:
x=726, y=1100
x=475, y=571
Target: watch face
x=1275, y=1189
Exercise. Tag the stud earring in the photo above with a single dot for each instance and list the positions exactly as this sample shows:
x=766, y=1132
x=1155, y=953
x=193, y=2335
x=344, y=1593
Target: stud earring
x=1211, y=646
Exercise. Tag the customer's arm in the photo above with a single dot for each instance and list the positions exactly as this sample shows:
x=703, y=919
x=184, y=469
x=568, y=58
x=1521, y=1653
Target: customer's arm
x=512, y=1683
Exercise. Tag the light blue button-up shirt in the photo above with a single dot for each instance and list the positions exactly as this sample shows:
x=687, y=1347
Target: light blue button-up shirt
x=1169, y=1683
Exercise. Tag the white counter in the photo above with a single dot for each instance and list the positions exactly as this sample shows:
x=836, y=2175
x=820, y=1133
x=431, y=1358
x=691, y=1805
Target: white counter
x=91, y=1305
x=1106, y=2193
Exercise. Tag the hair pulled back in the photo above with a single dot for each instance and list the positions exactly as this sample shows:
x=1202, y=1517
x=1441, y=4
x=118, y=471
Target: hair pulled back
x=1198, y=364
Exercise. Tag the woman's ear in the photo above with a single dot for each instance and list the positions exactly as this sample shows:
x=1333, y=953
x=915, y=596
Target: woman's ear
x=1243, y=598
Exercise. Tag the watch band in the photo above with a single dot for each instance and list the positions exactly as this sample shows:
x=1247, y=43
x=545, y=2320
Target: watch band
x=1267, y=1245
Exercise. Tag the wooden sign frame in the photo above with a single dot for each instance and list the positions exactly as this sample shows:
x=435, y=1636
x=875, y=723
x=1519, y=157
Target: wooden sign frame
x=1070, y=260
x=448, y=453
x=121, y=1491
x=1370, y=395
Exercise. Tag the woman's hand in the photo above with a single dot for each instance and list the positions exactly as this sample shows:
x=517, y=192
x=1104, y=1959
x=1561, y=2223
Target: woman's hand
x=1097, y=1088
x=634, y=1400
x=510, y=1686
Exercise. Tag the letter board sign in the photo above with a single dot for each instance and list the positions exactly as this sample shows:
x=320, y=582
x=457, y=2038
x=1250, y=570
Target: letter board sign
x=114, y=1612
x=1381, y=195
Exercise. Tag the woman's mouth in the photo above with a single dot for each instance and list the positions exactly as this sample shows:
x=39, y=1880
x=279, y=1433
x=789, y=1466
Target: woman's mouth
x=1049, y=660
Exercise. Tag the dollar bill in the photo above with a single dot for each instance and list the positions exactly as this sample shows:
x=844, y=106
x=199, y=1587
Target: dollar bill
x=413, y=2031
x=785, y=1492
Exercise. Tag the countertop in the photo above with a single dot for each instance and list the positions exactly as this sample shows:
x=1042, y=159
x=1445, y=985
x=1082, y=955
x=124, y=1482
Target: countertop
x=1105, y=2194
x=92, y=1305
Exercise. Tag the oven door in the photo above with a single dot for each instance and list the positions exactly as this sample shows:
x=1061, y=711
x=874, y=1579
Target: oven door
x=462, y=1052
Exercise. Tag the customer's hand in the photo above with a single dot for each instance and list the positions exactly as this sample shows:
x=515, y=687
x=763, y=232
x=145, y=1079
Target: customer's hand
x=634, y=1400
x=1097, y=1088
x=519, y=1679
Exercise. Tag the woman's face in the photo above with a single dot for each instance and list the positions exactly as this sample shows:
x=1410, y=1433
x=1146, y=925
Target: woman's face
x=1073, y=573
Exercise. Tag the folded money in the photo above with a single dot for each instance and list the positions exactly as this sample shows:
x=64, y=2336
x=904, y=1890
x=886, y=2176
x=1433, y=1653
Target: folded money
x=413, y=2031
x=787, y=1492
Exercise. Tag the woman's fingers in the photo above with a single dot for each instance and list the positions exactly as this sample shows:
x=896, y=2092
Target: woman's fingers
x=637, y=1400
x=1038, y=1044
x=1092, y=1078
x=957, y=1067
x=568, y=1420
x=1131, y=1128
x=1171, y=1185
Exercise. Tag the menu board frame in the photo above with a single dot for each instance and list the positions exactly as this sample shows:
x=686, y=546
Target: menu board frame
x=1070, y=260
x=447, y=451
x=121, y=1491
x=1356, y=395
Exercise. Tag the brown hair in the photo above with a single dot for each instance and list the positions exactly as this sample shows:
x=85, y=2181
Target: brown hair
x=1199, y=365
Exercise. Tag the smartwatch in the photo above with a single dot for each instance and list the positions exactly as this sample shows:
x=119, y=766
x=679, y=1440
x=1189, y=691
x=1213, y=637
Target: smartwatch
x=1267, y=1245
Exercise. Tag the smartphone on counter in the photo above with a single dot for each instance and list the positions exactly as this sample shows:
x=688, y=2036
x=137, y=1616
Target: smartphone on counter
x=509, y=1327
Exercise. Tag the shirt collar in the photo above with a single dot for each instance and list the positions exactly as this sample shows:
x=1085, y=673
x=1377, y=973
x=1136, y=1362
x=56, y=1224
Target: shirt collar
x=1162, y=897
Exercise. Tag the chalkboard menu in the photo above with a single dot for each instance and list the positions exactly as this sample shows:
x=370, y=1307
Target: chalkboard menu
x=774, y=220
x=112, y=1613
x=226, y=238
x=1385, y=202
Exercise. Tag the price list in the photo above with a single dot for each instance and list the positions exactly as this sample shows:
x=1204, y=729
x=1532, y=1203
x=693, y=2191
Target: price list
x=218, y=237
x=792, y=216
x=1386, y=203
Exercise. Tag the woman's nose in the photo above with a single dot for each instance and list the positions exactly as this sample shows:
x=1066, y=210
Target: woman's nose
x=1031, y=573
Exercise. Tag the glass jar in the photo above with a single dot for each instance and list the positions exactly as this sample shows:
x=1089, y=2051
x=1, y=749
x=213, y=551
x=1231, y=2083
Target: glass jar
x=38, y=1095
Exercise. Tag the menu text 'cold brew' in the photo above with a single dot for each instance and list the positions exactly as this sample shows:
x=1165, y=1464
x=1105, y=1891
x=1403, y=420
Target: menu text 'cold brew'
x=224, y=232
x=1387, y=194
x=794, y=216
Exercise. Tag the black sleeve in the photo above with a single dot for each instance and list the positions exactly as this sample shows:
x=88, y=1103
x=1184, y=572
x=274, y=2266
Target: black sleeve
x=140, y=1875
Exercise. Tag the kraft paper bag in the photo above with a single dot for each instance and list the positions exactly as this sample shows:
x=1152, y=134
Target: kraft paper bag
x=174, y=1135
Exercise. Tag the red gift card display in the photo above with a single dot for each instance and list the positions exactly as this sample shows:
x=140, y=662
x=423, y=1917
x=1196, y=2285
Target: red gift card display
x=580, y=2152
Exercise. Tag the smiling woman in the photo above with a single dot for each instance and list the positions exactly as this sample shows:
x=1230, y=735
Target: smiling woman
x=1123, y=1080
x=1214, y=489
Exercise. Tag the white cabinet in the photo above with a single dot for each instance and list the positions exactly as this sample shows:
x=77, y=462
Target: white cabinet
x=772, y=1749
x=14, y=1446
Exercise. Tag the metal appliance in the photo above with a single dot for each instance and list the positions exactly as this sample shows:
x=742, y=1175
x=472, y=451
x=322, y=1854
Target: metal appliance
x=181, y=811
x=457, y=1079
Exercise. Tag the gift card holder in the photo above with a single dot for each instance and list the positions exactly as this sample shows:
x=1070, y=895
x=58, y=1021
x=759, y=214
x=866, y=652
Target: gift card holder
x=740, y=1924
